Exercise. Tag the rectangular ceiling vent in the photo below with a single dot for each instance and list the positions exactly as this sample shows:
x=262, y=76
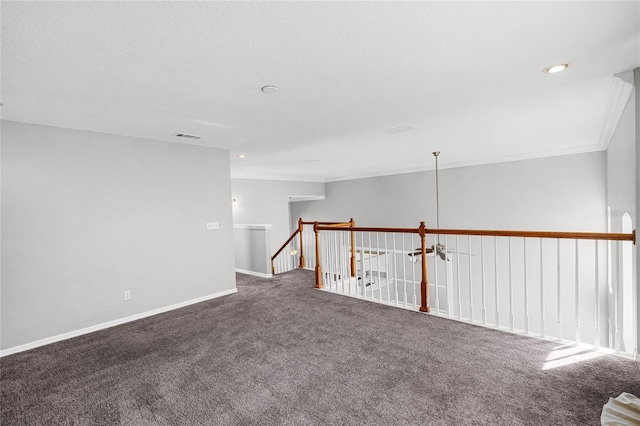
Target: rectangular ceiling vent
x=187, y=136
x=399, y=129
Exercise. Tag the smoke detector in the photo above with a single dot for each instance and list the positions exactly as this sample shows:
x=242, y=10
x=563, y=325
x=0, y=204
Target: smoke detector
x=269, y=89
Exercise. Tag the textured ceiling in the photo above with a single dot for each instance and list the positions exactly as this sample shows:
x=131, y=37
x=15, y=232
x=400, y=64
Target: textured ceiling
x=466, y=75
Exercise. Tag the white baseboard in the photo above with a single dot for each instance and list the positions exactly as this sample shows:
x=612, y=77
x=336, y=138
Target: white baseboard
x=257, y=274
x=113, y=323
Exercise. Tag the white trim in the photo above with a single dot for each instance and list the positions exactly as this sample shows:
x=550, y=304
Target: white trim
x=473, y=162
x=620, y=92
x=252, y=226
x=257, y=274
x=276, y=178
x=113, y=323
x=299, y=198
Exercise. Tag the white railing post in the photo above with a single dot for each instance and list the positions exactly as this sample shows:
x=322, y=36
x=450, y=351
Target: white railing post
x=510, y=289
x=413, y=275
x=404, y=273
x=618, y=299
x=471, y=315
x=526, y=292
x=458, y=276
x=542, y=304
x=559, y=292
x=497, y=292
x=577, y=295
x=484, y=299
x=447, y=281
x=386, y=267
x=395, y=268
x=435, y=271
x=596, y=335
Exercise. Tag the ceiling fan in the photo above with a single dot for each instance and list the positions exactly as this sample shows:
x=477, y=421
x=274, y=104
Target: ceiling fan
x=439, y=249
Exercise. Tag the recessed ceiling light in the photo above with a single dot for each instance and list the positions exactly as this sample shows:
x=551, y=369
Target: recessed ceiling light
x=555, y=68
x=241, y=156
x=269, y=89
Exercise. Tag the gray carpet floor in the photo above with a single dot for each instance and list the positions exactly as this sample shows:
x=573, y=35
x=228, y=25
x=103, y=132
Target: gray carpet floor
x=280, y=352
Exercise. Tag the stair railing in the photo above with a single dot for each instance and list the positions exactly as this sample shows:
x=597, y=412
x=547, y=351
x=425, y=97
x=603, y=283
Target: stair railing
x=280, y=262
x=564, y=286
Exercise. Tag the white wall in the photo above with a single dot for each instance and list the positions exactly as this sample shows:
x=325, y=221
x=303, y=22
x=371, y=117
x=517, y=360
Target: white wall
x=267, y=202
x=621, y=168
x=636, y=73
x=566, y=193
x=86, y=216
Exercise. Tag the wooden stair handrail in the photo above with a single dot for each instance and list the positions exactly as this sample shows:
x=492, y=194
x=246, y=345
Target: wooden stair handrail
x=539, y=234
x=285, y=244
x=326, y=223
x=369, y=229
x=497, y=233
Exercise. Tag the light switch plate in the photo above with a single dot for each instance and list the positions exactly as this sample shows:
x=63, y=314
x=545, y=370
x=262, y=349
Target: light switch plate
x=213, y=225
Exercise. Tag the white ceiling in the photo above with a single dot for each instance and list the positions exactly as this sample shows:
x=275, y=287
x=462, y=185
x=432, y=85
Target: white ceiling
x=466, y=75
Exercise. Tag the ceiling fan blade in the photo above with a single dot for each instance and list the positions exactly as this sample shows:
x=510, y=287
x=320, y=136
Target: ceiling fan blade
x=461, y=252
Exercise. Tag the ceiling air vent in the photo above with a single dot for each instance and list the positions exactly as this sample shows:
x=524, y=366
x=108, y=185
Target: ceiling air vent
x=399, y=129
x=187, y=136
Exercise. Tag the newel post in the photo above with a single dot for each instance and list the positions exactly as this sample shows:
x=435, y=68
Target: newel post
x=352, y=224
x=318, y=267
x=300, y=228
x=424, y=285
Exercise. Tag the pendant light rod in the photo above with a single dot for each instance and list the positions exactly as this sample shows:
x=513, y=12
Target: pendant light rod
x=435, y=154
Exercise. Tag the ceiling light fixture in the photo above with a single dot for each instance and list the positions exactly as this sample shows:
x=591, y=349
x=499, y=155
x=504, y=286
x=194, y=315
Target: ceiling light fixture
x=241, y=156
x=555, y=68
x=269, y=89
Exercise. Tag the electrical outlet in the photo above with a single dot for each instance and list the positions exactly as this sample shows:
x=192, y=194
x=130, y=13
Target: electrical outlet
x=212, y=225
x=127, y=294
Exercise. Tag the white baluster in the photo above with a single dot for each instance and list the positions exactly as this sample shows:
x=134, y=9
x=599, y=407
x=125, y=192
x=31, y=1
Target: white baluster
x=435, y=270
x=395, y=268
x=458, y=276
x=577, y=295
x=542, y=315
x=448, y=292
x=404, y=272
x=559, y=292
x=510, y=290
x=378, y=266
x=370, y=266
x=484, y=298
x=617, y=293
x=386, y=267
x=413, y=276
x=470, y=280
x=526, y=293
x=363, y=277
x=495, y=267
x=596, y=339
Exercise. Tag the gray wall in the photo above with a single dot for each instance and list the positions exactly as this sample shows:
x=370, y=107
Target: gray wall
x=621, y=168
x=86, y=216
x=267, y=202
x=636, y=74
x=566, y=193
x=252, y=246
